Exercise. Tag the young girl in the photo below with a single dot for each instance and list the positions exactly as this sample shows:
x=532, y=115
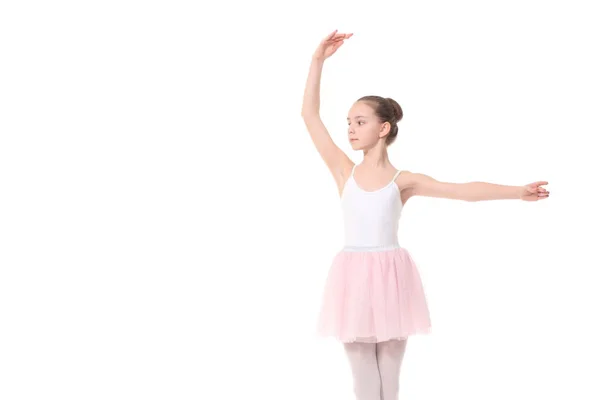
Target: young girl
x=373, y=298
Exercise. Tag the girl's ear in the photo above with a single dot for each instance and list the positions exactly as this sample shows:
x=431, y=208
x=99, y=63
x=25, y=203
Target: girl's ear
x=385, y=129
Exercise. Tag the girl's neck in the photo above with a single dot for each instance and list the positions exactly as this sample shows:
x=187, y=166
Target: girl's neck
x=376, y=158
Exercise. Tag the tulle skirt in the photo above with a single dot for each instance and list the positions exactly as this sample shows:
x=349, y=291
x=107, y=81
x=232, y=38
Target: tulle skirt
x=373, y=296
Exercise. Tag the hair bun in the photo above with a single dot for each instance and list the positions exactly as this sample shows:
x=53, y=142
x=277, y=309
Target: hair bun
x=396, y=107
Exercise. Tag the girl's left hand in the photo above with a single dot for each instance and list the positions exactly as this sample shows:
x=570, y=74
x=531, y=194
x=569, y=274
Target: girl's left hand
x=534, y=191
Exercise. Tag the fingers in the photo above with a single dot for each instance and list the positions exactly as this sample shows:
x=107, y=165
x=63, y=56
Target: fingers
x=342, y=36
x=535, y=187
x=536, y=192
x=543, y=193
x=334, y=36
x=540, y=191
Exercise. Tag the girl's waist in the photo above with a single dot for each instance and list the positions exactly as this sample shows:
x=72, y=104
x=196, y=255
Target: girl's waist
x=369, y=247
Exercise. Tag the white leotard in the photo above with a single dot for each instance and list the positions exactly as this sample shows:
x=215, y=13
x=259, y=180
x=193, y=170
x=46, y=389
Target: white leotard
x=371, y=218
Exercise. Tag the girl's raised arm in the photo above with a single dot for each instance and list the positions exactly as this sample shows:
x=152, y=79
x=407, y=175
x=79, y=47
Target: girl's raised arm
x=336, y=160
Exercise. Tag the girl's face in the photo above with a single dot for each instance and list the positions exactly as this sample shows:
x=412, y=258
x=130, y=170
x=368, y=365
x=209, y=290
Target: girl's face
x=364, y=128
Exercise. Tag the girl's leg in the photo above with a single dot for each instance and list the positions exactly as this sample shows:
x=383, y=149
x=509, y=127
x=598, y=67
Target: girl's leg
x=363, y=363
x=389, y=359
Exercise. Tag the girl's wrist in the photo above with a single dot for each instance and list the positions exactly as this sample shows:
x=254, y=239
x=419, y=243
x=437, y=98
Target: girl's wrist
x=318, y=59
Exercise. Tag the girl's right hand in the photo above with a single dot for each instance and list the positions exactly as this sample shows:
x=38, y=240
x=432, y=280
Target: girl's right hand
x=330, y=44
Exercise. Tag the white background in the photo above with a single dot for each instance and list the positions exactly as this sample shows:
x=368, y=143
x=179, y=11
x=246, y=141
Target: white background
x=166, y=224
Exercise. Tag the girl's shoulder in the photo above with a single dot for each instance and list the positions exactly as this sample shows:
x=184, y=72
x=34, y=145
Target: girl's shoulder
x=405, y=179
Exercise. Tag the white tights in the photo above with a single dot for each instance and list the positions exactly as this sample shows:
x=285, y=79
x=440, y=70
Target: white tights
x=376, y=368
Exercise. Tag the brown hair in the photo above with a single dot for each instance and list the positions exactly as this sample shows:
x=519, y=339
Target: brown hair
x=387, y=110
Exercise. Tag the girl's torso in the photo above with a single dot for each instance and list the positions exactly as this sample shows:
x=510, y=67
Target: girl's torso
x=371, y=217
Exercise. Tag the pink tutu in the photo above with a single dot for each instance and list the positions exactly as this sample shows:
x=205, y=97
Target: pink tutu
x=373, y=296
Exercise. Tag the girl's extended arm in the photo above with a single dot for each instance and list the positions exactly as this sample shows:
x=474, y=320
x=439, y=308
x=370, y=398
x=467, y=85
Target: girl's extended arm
x=337, y=161
x=423, y=185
